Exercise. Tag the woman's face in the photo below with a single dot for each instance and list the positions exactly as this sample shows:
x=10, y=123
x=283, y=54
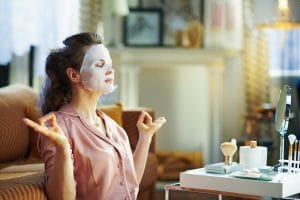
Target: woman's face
x=96, y=70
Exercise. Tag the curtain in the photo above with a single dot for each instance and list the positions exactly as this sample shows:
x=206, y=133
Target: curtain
x=284, y=52
x=256, y=76
x=40, y=23
x=91, y=15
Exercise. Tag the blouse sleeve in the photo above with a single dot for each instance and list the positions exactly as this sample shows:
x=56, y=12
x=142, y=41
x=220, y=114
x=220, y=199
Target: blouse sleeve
x=47, y=151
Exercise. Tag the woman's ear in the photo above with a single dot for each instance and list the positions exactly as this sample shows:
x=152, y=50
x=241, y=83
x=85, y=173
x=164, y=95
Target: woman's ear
x=73, y=75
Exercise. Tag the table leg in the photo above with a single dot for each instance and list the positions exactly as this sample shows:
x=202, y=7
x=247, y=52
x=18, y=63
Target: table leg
x=166, y=194
x=219, y=197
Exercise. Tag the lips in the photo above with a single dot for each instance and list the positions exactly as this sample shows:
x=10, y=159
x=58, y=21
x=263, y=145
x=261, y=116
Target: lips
x=109, y=80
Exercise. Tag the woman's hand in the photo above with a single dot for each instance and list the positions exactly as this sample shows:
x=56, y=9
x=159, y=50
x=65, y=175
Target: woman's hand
x=146, y=127
x=49, y=128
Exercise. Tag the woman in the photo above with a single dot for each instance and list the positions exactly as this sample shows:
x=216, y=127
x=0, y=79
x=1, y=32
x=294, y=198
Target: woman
x=86, y=154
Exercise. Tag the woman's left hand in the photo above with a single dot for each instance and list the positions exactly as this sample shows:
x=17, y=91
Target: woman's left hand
x=146, y=127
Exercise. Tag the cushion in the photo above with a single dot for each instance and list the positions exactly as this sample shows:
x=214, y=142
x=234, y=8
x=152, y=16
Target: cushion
x=19, y=167
x=113, y=111
x=171, y=163
x=32, y=112
x=29, y=186
x=15, y=100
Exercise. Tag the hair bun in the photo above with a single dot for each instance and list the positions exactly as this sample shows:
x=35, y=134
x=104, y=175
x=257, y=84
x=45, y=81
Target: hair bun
x=84, y=38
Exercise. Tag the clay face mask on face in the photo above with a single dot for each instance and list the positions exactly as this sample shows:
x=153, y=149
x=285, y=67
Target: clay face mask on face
x=94, y=75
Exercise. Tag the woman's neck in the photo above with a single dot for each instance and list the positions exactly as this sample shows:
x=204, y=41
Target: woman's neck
x=85, y=103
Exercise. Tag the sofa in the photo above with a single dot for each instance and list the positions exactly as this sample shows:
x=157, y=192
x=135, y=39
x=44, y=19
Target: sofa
x=21, y=168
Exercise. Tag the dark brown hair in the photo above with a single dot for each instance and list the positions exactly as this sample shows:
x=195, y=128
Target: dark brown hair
x=57, y=90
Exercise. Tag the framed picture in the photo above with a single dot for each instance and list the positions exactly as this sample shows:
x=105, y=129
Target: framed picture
x=143, y=27
x=177, y=15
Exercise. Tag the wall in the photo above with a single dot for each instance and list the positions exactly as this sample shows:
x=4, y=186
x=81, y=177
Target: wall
x=181, y=96
x=187, y=86
x=234, y=99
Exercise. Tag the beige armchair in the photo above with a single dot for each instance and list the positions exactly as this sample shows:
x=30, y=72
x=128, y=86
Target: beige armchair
x=21, y=168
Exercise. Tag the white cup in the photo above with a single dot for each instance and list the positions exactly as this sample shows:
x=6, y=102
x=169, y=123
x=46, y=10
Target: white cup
x=253, y=157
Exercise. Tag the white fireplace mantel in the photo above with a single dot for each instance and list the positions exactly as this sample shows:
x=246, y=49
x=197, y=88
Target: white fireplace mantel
x=168, y=56
x=129, y=61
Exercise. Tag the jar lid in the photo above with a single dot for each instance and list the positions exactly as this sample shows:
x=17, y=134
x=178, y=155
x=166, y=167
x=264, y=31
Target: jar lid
x=253, y=144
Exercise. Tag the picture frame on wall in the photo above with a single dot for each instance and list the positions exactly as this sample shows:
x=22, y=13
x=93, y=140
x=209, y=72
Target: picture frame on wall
x=143, y=27
x=177, y=15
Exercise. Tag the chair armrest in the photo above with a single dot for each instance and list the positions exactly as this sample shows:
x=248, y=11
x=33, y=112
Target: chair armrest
x=130, y=118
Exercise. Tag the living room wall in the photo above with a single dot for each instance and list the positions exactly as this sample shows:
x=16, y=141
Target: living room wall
x=181, y=96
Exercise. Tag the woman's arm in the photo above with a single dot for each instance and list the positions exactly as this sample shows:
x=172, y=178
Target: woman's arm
x=146, y=132
x=61, y=184
x=140, y=156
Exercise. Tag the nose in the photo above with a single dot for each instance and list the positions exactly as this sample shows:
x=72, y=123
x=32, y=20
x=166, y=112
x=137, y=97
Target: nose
x=109, y=71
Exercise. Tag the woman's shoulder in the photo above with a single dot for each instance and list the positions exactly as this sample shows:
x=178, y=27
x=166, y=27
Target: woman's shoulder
x=66, y=112
x=65, y=119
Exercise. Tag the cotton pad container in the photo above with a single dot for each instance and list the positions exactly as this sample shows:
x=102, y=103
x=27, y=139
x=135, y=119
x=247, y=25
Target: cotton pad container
x=253, y=156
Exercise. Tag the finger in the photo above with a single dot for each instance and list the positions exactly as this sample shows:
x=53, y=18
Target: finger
x=157, y=124
x=30, y=123
x=148, y=118
x=160, y=120
x=40, y=129
x=141, y=118
x=35, y=126
x=48, y=118
x=53, y=121
x=155, y=128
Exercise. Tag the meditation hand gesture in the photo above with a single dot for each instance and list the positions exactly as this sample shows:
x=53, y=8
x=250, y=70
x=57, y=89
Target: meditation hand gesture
x=49, y=128
x=146, y=127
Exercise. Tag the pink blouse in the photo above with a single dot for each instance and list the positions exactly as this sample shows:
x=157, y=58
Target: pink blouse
x=103, y=162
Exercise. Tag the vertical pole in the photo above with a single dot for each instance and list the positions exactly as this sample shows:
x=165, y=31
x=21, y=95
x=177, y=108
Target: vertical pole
x=219, y=197
x=166, y=194
x=31, y=65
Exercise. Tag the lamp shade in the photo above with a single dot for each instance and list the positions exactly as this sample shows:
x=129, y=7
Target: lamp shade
x=268, y=15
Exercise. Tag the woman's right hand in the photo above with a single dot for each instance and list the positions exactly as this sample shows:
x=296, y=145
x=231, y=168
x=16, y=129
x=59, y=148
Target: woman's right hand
x=49, y=128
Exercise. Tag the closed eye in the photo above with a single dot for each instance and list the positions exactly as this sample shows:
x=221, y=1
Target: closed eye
x=100, y=63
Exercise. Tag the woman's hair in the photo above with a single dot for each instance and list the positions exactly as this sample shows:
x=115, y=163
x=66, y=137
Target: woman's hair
x=57, y=90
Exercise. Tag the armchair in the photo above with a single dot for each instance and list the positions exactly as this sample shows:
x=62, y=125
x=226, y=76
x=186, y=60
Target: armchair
x=21, y=168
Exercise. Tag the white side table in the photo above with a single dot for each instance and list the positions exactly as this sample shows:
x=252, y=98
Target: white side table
x=197, y=180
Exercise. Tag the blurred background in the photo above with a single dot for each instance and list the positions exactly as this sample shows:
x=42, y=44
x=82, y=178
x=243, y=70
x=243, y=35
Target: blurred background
x=213, y=68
